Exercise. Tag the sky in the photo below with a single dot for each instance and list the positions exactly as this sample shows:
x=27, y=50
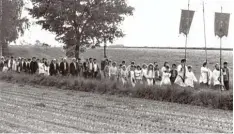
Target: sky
x=155, y=23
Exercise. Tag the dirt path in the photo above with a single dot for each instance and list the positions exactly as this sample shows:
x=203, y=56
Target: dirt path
x=30, y=109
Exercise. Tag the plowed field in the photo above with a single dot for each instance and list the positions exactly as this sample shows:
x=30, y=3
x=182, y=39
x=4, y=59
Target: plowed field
x=39, y=109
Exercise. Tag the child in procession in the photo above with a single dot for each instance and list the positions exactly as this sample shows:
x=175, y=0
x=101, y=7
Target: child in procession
x=132, y=75
x=144, y=73
x=113, y=71
x=157, y=79
x=150, y=75
x=166, y=76
x=124, y=75
x=5, y=68
x=119, y=72
x=190, y=78
x=173, y=73
x=138, y=75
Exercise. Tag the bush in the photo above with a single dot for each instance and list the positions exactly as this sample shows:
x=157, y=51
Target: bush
x=198, y=97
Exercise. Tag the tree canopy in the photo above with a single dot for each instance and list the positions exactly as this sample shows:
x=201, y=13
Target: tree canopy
x=12, y=23
x=79, y=23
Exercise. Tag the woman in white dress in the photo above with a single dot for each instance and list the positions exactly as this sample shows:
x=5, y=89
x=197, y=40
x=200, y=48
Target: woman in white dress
x=150, y=75
x=132, y=75
x=190, y=78
x=41, y=68
x=144, y=73
x=166, y=76
x=138, y=75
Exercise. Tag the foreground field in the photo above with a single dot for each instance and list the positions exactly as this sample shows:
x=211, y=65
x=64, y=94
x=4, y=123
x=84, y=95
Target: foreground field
x=39, y=109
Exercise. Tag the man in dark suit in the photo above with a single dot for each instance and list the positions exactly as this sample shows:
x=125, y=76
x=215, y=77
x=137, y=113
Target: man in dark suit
x=54, y=68
x=74, y=67
x=24, y=65
x=28, y=68
x=1, y=63
x=64, y=67
x=85, y=68
x=79, y=67
x=33, y=65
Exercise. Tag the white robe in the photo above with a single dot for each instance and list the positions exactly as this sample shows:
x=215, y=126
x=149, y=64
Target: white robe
x=165, y=79
x=206, y=75
x=150, y=77
x=124, y=76
x=41, y=68
x=14, y=66
x=179, y=80
x=190, y=79
x=215, y=77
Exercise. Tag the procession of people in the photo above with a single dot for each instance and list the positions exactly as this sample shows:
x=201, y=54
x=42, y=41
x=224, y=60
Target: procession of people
x=133, y=74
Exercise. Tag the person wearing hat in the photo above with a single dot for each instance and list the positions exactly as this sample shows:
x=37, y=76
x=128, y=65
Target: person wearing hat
x=226, y=75
x=54, y=68
x=190, y=78
x=182, y=69
x=73, y=67
x=64, y=67
x=217, y=80
x=205, y=77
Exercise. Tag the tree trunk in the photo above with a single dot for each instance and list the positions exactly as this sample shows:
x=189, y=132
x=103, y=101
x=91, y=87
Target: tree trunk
x=105, y=50
x=77, y=51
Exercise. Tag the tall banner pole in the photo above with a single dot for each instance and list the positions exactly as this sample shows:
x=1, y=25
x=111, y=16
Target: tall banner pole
x=204, y=22
x=220, y=68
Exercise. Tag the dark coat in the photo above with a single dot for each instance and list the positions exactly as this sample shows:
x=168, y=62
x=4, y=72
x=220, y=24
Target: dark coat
x=64, y=71
x=73, y=69
x=1, y=65
x=33, y=67
x=54, y=70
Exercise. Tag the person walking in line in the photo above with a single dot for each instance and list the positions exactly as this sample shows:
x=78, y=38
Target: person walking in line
x=190, y=78
x=174, y=73
x=12, y=64
x=113, y=71
x=73, y=67
x=158, y=78
x=119, y=72
x=124, y=75
x=166, y=76
x=217, y=80
x=138, y=75
x=1, y=63
x=144, y=73
x=107, y=69
x=54, y=68
x=205, y=77
x=95, y=68
x=64, y=68
x=182, y=70
x=132, y=75
x=150, y=75
x=226, y=75
x=33, y=65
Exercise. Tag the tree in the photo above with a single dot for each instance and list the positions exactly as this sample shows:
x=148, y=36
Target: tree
x=12, y=24
x=79, y=23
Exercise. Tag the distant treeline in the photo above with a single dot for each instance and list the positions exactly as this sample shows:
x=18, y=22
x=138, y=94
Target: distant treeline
x=191, y=48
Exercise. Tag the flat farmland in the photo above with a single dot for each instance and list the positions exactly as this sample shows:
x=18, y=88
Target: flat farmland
x=147, y=55
x=27, y=109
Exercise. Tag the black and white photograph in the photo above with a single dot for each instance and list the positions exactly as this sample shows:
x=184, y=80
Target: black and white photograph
x=116, y=66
